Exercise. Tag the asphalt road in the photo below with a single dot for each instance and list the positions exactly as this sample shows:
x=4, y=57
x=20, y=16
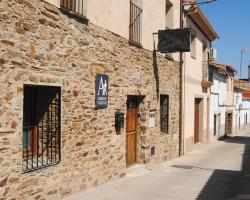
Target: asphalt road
x=216, y=171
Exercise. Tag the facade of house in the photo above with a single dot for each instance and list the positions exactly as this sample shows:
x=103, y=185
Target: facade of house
x=221, y=108
x=241, y=109
x=231, y=71
x=135, y=20
x=196, y=85
x=241, y=102
x=79, y=104
x=218, y=76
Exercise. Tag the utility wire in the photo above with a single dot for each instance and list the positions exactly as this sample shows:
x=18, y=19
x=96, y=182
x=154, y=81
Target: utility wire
x=206, y=2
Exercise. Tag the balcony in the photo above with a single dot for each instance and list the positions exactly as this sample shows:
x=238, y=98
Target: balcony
x=77, y=8
x=135, y=25
x=207, y=80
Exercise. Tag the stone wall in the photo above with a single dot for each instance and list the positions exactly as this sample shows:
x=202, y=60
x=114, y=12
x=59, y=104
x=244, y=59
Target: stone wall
x=41, y=46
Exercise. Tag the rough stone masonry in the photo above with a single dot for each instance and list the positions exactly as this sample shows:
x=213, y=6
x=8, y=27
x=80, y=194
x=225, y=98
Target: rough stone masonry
x=41, y=46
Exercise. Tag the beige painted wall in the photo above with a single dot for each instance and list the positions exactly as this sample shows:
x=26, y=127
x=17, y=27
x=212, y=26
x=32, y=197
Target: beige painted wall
x=114, y=15
x=153, y=20
x=110, y=14
x=193, y=89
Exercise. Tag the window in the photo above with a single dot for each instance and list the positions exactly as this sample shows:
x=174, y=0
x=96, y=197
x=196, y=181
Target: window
x=164, y=113
x=215, y=124
x=76, y=6
x=135, y=25
x=193, y=46
x=169, y=15
x=41, y=127
x=210, y=74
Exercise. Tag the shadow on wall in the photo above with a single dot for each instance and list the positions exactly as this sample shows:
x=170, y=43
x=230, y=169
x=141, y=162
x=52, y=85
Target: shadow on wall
x=226, y=184
x=156, y=73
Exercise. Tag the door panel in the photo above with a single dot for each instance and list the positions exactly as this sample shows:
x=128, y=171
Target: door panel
x=131, y=126
x=131, y=149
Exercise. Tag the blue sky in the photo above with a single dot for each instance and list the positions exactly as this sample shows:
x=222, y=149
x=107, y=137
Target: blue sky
x=231, y=20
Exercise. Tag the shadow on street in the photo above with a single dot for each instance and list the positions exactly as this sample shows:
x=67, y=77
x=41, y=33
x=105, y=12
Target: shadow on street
x=226, y=184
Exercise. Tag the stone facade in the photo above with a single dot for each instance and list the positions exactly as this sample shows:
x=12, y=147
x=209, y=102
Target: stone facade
x=41, y=46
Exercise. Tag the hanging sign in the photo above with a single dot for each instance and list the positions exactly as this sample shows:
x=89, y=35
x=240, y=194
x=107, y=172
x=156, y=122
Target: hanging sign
x=101, y=91
x=174, y=40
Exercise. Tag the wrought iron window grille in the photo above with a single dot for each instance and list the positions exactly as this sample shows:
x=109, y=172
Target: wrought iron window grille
x=75, y=8
x=41, y=127
x=135, y=25
x=164, y=113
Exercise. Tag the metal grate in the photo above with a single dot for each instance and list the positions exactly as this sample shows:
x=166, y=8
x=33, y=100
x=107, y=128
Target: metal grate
x=41, y=127
x=77, y=6
x=135, y=24
x=164, y=108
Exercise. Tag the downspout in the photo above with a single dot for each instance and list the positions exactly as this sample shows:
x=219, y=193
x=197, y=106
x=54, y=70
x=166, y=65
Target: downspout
x=181, y=137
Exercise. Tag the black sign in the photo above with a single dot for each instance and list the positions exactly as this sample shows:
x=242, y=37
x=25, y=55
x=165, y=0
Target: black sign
x=175, y=40
x=101, y=91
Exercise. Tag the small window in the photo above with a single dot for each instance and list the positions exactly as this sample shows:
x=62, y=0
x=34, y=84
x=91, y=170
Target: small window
x=78, y=7
x=193, y=46
x=210, y=74
x=164, y=113
x=135, y=25
x=41, y=127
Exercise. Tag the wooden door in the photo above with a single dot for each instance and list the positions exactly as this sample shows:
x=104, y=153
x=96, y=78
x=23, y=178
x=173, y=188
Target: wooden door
x=229, y=121
x=131, y=127
x=197, y=121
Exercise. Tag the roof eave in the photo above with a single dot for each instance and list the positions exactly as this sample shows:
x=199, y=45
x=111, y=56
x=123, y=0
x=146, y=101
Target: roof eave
x=202, y=22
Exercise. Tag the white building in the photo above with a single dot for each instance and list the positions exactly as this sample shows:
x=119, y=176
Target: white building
x=241, y=109
x=218, y=76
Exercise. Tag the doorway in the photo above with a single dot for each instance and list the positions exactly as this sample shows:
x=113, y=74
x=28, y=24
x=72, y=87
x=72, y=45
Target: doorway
x=197, y=120
x=131, y=129
x=229, y=122
x=219, y=125
x=215, y=125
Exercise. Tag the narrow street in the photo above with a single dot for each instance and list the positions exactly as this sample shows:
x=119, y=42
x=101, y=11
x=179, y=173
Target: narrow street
x=216, y=171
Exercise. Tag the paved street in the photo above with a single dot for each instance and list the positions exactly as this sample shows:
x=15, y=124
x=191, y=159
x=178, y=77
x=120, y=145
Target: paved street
x=215, y=171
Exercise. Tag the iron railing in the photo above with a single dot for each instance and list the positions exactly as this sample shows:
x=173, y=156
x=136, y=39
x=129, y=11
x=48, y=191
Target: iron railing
x=207, y=73
x=135, y=24
x=164, y=113
x=78, y=7
x=41, y=141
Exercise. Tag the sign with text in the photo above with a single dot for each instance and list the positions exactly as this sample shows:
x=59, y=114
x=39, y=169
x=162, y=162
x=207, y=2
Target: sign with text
x=174, y=40
x=101, y=91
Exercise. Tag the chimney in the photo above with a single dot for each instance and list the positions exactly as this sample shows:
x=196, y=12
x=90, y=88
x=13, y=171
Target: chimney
x=249, y=72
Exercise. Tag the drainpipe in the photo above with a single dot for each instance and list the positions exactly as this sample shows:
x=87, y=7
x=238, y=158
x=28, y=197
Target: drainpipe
x=181, y=136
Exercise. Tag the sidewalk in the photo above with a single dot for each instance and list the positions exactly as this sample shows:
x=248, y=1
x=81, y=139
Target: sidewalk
x=220, y=170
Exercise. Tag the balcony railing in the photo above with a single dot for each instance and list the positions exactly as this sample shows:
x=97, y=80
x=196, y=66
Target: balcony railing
x=78, y=7
x=207, y=79
x=135, y=24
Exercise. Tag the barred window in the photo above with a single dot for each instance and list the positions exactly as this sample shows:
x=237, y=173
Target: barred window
x=135, y=26
x=78, y=7
x=164, y=113
x=41, y=127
